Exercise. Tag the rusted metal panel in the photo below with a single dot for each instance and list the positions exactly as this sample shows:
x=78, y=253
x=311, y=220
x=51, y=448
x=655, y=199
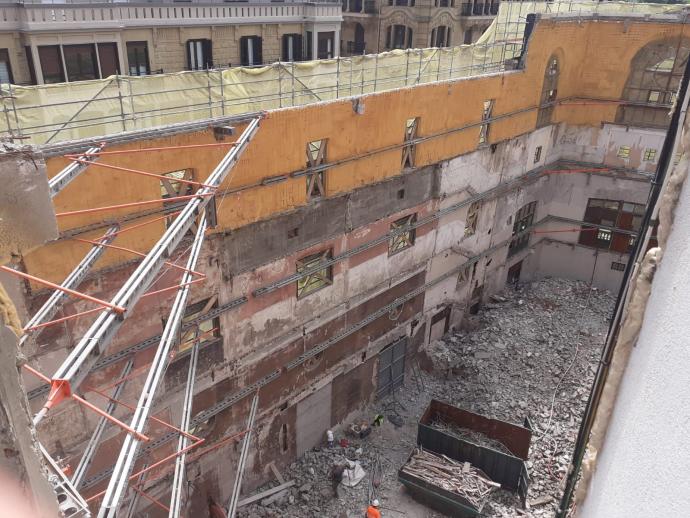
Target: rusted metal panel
x=508, y=470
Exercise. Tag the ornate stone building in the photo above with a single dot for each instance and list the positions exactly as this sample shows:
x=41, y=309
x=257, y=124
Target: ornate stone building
x=376, y=25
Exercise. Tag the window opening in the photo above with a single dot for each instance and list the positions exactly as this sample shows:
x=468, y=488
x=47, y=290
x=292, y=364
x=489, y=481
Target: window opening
x=251, y=50
x=523, y=220
x=199, y=54
x=317, y=279
x=486, y=115
x=404, y=239
x=408, y=152
x=549, y=92
x=623, y=152
x=472, y=218
x=316, y=156
x=537, y=154
x=205, y=331
x=619, y=215
x=5, y=67
x=138, y=58
x=649, y=155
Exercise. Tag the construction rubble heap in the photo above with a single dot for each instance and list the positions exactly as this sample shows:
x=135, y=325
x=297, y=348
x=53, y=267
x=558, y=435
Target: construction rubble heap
x=532, y=352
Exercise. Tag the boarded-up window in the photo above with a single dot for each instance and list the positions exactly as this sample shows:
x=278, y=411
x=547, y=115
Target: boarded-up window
x=316, y=157
x=408, y=153
x=391, y=372
x=404, y=235
x=486, y=115
x=316, y=276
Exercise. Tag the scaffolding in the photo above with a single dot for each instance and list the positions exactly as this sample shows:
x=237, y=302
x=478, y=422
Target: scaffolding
x=195, y=212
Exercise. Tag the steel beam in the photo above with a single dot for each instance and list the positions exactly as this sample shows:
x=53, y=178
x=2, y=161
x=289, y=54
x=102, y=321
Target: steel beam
x=134, y=501
x=92, y=446
x=125, y=462
x=73, y=280
x=90, y=347
x=69, y=173
x=183, y=441
x=237, y=488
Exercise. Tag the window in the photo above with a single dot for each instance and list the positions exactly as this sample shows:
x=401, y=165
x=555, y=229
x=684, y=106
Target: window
x=549, y=92
x=403, y=238
x=440, y=36
x=174, y=186
x=654, y=78
x=408, y=152
x=199, y=54
x=616, y=215
x=325, y=44
x=138, y=58
x=292, y=47
x=318, y=277
x=649, y=155
x=619, y=267
x=316, y=156
x=108, y=59
x=398, y=37
x=654, y=96
x=467, y=38
x=51, y=64
x=251, y=50
x=537, y=154
x=623, y=152
x=5, y=67
x=472, y=219
x=196, y=330
x=486, y=115
x=523, y=220
x=81, y=62
x=308, y=46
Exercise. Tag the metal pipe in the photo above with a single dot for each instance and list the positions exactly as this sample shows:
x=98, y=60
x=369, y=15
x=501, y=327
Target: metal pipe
x=90, y=347
x=92, y=445
x=50, y=307
x=69, y=173
x=182, y=442
x=246, y=442
x=125, y=462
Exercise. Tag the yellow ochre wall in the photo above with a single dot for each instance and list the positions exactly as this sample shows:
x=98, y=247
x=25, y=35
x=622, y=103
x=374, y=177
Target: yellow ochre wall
x=594, y=62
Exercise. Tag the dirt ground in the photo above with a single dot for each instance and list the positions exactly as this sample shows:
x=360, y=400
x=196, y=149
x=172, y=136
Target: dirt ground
x=531, y=352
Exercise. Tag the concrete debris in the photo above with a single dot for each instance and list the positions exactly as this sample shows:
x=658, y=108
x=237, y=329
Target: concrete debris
x=472, y=436
x=532, y=355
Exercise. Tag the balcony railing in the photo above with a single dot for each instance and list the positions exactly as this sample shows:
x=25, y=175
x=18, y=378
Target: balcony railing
x=71, y=16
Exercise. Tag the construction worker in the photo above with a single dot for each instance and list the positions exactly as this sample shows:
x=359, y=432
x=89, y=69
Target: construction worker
x=373, y=510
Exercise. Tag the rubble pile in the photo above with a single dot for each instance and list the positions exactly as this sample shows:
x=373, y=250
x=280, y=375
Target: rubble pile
x=470, y=435
x=530, y=353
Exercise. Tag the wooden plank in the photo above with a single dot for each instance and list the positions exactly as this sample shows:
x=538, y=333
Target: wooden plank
x=276, y=473
x=264, y=494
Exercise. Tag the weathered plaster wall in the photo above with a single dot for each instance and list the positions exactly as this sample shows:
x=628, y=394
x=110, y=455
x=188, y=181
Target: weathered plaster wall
x=440, y=106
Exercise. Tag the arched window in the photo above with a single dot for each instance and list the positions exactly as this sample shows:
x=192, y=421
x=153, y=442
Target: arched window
x=399, y=37
x=549, y=92
x=655, y=74
x=440, y=36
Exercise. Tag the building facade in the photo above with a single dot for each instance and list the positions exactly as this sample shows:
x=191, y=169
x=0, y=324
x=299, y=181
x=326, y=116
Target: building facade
x=348, y=230
x=371, y=26
x=43, y=43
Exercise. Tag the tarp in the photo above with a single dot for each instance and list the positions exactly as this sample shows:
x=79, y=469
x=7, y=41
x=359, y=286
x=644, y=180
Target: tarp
x=66, y=111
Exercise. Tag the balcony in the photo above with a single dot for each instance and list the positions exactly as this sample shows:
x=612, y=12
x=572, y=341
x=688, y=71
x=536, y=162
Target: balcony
x=58, y=17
